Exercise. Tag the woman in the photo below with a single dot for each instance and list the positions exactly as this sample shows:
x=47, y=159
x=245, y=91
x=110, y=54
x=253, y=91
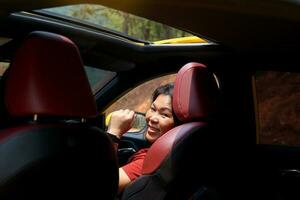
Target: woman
x=160, y=119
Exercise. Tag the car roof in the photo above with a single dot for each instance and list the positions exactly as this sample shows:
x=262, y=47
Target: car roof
x=242, y=25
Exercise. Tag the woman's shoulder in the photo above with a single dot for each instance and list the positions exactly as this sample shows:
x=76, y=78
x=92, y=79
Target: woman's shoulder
x=140, y=154
x=142, y=151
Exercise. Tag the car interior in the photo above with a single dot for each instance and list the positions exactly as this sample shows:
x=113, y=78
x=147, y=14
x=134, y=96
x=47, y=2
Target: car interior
x=236, y=94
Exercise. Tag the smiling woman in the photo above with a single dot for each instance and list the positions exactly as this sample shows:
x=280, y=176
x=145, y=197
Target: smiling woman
x=160, y=119
x=138, y=100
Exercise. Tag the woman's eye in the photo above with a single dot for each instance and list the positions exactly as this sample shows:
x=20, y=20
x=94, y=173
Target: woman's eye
x=165, y=115
x=152, y=109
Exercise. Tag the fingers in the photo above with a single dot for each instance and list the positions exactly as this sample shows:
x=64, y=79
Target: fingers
x=125, y=113
x=130, y=113
x=121, y=121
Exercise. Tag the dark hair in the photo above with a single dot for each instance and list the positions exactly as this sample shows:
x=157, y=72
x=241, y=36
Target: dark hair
x=166, y=90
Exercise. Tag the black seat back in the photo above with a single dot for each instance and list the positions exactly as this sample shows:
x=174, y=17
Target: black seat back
x=51, y=153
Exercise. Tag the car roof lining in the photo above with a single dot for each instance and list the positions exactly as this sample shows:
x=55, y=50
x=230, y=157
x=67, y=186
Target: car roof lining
x=231, y=23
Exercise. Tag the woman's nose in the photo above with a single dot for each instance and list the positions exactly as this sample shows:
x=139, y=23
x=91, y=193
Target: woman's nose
x=153, y=118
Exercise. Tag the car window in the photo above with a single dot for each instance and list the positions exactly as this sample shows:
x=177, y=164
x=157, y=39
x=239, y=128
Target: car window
x=117, y=21
x=139, y=98
x=98, y=78
x=277, y=96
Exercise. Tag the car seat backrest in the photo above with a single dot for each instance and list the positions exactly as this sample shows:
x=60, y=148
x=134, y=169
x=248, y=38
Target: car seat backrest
x=49, y=159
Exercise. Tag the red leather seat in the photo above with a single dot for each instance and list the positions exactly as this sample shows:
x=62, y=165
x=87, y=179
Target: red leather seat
x=179, y=162
x=51, y=153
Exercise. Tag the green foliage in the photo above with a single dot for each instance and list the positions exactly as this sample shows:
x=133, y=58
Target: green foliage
x=119, y=21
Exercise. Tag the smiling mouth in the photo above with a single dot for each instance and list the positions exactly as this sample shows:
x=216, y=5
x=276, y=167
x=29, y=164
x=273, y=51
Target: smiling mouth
x=153, y=129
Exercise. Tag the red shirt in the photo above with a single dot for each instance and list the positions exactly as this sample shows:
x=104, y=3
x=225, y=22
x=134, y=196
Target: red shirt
x=135, y=164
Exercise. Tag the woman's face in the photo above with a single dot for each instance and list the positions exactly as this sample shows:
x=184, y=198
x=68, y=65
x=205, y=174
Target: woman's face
x=159, y=117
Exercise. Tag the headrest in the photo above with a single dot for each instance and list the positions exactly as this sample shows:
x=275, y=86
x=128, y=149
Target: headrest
x=195, y=93
x=47, y=78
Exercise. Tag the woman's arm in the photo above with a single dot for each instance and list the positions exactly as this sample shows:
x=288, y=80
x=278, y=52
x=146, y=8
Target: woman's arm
x=124, y=180
x=120, y=123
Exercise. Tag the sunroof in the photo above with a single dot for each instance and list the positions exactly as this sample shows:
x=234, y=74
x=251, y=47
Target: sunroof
x=124, y=23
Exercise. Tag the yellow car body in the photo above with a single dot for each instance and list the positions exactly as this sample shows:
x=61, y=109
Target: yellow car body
x=182, y=40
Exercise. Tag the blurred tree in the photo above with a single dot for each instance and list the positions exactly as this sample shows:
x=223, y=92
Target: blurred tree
x=125, y=23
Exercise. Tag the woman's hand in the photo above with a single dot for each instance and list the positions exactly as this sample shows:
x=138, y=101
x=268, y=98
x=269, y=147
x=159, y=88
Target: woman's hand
x=120, y=122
